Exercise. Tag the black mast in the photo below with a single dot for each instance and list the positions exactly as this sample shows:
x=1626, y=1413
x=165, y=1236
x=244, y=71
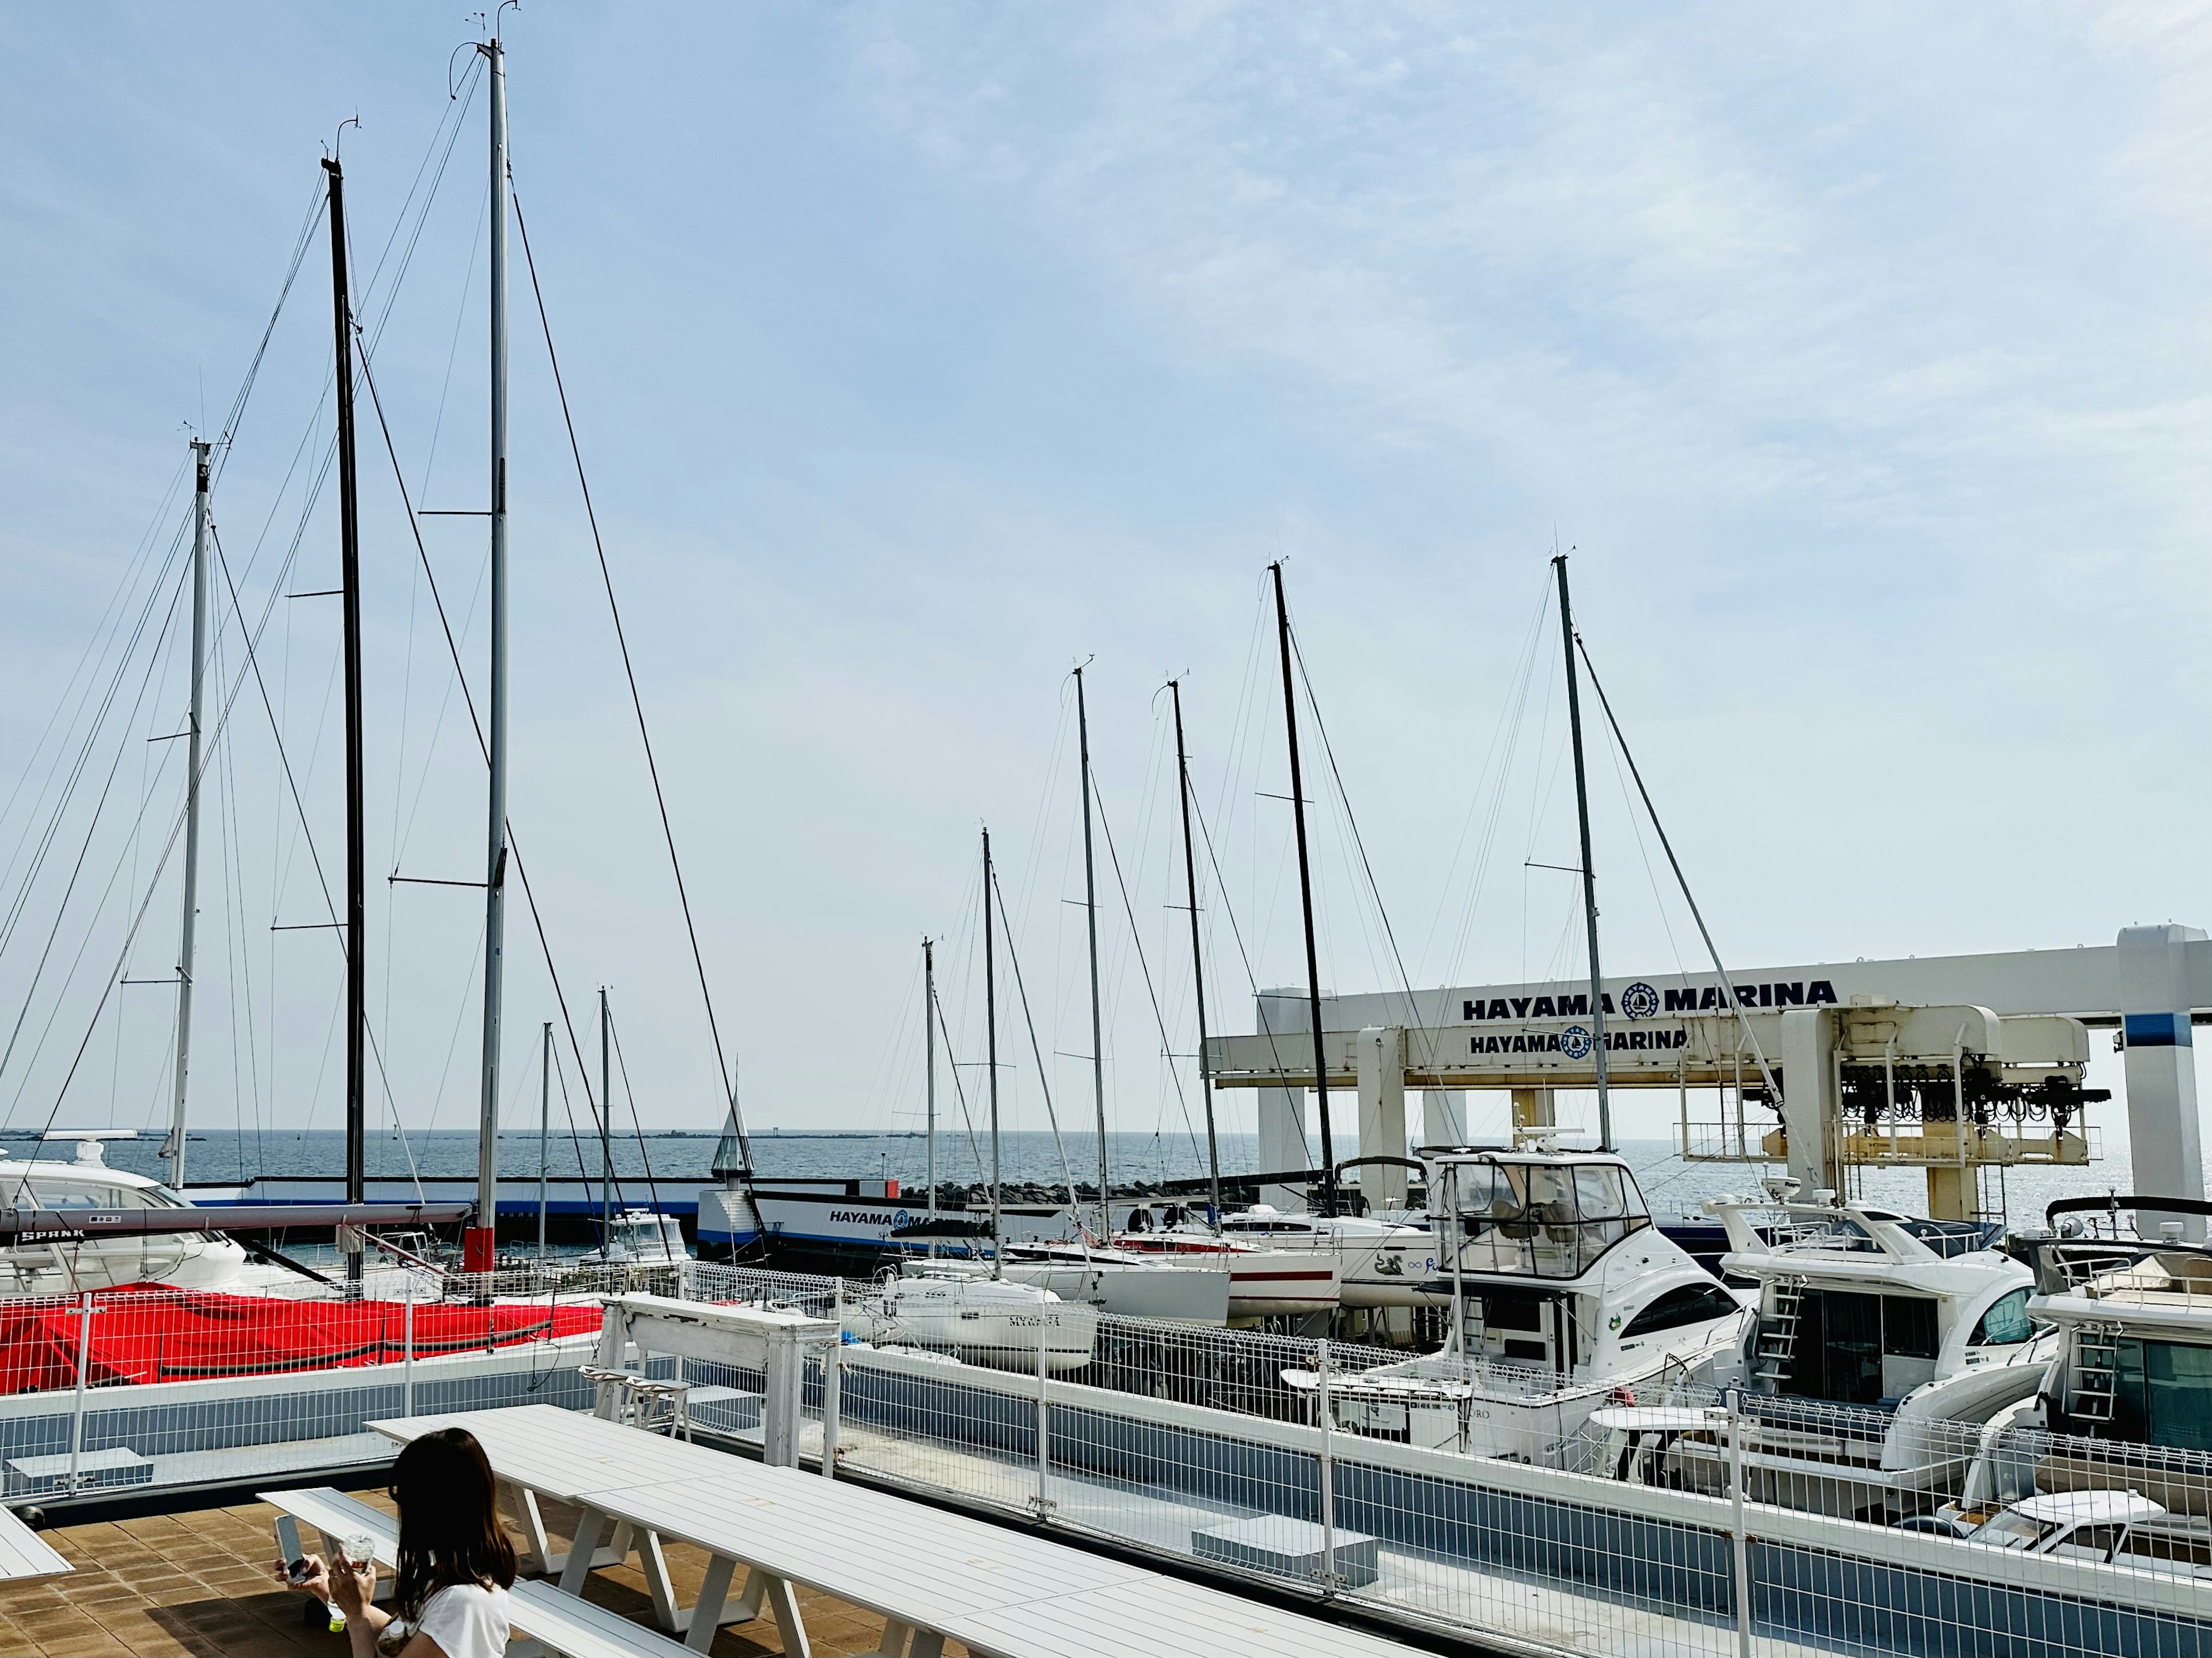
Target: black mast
x=356, y=1122
x=1305, y=897
x=1197, y=961
x=1590, y=875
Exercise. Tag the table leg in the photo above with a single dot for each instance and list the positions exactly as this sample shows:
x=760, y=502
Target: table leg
x=524, y=1503
x=706, y=1611
x=895, y=1636
x=788, y=1625
x=582, y=1548
x=928, y=1643
x=655, y=1567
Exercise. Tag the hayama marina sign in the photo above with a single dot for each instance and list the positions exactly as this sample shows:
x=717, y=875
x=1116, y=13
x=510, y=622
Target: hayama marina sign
x=1643, y=1001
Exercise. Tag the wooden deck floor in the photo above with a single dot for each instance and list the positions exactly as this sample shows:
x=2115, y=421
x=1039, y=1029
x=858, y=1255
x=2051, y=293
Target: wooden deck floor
x=198, y=1583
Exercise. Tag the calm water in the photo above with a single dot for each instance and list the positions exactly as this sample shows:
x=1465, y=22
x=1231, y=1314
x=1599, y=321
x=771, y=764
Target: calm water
x=1673, y=1187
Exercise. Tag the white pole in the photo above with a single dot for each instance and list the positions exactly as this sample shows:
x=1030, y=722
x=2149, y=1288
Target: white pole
x=1043, y=1425
x=175, y=1150
x=544, y=1124
x=1328, y=1471
x=478, y=1254
x=83, y=1362
x=1741, y=1543
x=409, y=1349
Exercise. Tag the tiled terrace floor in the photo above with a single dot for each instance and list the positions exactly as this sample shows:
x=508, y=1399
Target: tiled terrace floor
x=199, y=1582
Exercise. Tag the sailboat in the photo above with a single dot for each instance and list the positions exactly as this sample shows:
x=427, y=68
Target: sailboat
x=982, y=1316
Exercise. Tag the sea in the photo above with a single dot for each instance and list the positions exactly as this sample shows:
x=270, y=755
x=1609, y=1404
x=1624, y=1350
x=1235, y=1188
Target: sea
x=1672, y=1187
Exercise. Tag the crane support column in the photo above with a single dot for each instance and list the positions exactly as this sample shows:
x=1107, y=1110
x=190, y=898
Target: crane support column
x=1283, y=1144
x=2163, y=1139
x=1382, y=1058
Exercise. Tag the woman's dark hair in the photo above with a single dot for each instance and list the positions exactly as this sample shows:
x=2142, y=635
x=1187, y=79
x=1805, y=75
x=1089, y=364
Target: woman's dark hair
x=449, y=1530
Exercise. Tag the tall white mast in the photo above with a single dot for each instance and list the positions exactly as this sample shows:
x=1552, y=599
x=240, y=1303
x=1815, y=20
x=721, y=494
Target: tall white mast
x=478, y=1253
x=1090, y=918
x=175, y=1150
x=929, y=1065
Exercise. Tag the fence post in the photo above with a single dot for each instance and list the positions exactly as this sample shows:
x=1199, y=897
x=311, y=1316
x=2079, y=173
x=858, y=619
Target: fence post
x=410, y=1352
x=83, y=1363
x=832, y=1368
x=1740, y=1543
x=1328, y=1469
x=1044, y=1423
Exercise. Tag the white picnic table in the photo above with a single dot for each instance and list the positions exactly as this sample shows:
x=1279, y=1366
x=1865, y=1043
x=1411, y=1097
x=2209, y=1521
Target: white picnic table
x=933, y=1576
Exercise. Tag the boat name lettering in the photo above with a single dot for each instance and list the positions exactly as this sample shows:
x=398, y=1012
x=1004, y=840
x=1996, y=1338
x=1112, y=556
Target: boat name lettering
x=1579, y=1043
x=1642, y=1002
x=859, y=1217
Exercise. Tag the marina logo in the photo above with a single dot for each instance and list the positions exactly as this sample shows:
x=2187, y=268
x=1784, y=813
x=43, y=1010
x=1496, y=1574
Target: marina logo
x=1643, y=1001
x=898, y=1220
x=1575, y=1042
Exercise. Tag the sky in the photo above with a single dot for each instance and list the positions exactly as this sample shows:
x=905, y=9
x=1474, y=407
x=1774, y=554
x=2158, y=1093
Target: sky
x=918, y=353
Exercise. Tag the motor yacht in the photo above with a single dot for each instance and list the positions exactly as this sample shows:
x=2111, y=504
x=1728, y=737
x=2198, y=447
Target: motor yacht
x=644, y=1236
x=184, y=1261
x=1565, y=1297
x=1882, y=1345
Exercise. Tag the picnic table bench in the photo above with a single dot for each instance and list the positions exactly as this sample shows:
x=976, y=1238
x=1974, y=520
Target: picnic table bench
x=931, y=1575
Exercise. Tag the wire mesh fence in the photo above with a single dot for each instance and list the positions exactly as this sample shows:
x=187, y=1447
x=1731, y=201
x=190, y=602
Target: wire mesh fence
x=147, y=1387
x=1668, y=1518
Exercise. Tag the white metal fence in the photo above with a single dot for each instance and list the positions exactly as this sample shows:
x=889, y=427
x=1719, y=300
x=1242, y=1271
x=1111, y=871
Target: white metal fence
x=139, y=1388
x=1677, y=1522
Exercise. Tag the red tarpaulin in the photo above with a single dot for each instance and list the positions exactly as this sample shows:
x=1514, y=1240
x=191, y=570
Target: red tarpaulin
x=147, y=1333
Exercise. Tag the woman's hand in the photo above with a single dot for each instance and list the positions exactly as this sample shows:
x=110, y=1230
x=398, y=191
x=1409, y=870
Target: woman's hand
x=314, y=1581
x=351, y=1584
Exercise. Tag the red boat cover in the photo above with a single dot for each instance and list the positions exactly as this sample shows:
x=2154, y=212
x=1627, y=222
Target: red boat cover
x=147, y=1333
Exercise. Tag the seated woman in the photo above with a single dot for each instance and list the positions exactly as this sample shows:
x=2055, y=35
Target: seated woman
x=455, y=1562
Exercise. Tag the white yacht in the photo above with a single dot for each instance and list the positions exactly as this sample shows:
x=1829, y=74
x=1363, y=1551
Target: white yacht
x=644, y=1236
x=2129, y=1363
x=1565, y=1297
x=1882, y=1344
x=1379, y=1262
x=184, y=1261
x=980, y=1320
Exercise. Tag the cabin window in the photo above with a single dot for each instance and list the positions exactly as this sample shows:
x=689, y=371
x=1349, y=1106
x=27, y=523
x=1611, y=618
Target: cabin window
x=2007, y=1323
x=1547, y=1220
x=1843, y=1337
x=1691, y=1304
x=2163, y=1395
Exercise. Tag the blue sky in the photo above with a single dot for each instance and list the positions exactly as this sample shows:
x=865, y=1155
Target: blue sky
x=920, y=351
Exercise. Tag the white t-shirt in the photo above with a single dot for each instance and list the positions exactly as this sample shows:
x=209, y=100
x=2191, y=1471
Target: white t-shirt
x=466, y=1621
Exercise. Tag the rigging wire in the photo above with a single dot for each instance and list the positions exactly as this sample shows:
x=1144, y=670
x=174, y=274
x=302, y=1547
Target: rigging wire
x=1166, y=1046
x=629, y=674
x=1044, y=1084
x=644, y=1152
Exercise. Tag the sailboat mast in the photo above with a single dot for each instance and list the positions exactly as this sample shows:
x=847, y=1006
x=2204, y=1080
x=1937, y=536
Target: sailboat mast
x=991, y=1050
x=356, y=1097
x=929, y=1068
x=175, y=1150
x=1305, y=897
x=478, y=1256
x=1590, y=875
x=1197, y=958
x=545, y=1125
x=606, y=1128
x=1091, y=918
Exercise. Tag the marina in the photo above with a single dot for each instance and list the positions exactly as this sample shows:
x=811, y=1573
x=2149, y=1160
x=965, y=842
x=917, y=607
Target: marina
x=950, y=1143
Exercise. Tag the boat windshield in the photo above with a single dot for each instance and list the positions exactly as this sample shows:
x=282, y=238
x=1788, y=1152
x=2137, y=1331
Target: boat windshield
x=1541, y=1219
x=2013, y=1530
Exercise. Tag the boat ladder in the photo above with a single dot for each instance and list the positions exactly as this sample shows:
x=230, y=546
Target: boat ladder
x=1777, y=1352
x=2095, y=1393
